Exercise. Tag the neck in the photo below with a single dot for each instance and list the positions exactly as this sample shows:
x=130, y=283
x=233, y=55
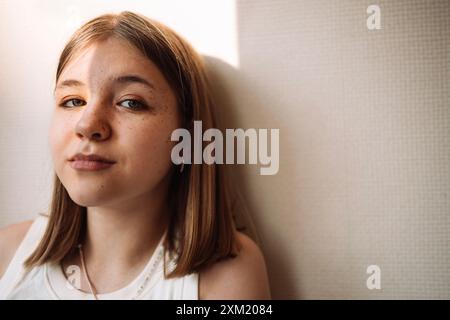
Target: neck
x=123, y=237
x=120, y=240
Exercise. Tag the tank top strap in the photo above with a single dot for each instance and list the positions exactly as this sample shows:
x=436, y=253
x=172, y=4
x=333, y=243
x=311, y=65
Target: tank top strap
x=190, y=289
x=16, y=271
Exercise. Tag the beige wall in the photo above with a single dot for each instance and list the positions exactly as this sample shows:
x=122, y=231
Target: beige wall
x=364, y=125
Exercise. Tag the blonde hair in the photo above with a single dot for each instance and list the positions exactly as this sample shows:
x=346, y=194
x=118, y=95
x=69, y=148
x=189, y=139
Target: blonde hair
x=202, y=215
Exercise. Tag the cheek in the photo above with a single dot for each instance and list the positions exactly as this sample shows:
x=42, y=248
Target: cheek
x=59, y=131
x=152, y=147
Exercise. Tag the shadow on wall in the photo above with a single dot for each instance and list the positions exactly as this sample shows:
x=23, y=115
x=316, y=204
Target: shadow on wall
x=232, y=92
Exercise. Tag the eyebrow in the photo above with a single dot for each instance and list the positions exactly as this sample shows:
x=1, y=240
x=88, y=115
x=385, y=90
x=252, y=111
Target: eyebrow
x=134, y=78
x=121, y=79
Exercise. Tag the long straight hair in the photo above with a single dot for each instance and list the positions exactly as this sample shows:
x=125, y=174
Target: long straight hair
x=202, y=228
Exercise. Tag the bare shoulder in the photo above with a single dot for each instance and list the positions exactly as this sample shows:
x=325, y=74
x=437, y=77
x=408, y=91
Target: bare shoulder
x=241, y=278
x=10, y=239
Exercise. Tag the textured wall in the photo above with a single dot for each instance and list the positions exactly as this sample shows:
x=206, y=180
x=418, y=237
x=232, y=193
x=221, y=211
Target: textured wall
x=364, y=120
x=364, y=125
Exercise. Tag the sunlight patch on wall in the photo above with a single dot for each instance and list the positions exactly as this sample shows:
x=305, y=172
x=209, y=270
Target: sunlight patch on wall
x=210, y=26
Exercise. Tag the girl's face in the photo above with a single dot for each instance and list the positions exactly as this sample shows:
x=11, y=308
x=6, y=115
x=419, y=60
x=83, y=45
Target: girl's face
x=112, y=101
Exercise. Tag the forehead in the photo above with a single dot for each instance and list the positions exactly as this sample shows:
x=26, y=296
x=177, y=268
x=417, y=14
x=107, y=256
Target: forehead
x=105, y=60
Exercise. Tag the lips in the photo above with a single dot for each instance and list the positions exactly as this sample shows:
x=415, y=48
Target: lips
x=91, y=162
x=90, y=157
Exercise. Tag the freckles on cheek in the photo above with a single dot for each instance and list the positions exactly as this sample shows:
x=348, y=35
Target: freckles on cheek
x=151, y=144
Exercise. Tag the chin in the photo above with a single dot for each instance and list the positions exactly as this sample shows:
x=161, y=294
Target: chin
x=88, y=199
x=84, y=200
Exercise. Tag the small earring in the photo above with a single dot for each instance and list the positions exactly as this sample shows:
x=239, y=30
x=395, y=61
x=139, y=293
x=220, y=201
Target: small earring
x=182, y=166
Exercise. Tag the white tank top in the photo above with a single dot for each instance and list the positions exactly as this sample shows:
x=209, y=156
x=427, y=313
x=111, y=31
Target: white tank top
x=49, y=282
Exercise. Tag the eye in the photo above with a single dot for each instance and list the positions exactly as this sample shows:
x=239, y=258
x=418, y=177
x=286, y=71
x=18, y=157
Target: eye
x=72, y=103
x=133, y=104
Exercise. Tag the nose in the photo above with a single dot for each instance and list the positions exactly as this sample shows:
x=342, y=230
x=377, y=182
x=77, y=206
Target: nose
x=93, y=123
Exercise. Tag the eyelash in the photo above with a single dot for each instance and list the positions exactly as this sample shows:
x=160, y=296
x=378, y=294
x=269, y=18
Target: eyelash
x=142, y=105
